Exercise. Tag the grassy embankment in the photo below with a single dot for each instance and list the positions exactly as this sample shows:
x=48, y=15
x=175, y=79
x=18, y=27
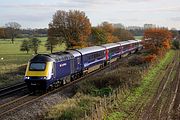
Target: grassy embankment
x=135, y=91
x=141, y=95
x=11, y=70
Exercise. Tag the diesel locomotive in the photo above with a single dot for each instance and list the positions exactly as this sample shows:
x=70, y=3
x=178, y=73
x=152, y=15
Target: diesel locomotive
x=48, y=70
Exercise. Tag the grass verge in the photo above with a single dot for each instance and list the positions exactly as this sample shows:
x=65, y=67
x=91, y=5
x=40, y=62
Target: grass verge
x=142, y=94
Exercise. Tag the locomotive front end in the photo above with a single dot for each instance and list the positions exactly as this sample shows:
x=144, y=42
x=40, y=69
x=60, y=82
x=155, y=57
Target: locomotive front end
x=39, y=73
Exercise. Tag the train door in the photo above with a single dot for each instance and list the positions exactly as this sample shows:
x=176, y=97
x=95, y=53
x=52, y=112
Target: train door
x=79, y=63
x=107, y=54
x=72, y=68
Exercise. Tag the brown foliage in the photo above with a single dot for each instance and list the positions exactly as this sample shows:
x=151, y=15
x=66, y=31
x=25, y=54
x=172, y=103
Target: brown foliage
x=157, y=40
x=73, y=27
x=2, y=33
x=150, y=58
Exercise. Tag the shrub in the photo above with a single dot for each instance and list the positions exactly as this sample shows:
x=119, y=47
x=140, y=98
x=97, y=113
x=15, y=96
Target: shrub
x=176, y=44
x=103, y=85
x=102, y=91
x=137, y=60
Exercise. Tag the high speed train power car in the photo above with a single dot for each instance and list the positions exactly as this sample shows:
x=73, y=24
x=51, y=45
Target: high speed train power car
x=48, y=70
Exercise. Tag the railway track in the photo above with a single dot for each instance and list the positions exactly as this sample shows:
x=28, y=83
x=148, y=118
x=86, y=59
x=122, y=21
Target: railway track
x=12, y=89
x=162, y=103
x=27, y=99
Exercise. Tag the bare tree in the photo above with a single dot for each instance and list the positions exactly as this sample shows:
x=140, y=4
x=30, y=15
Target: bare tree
x=13, y=28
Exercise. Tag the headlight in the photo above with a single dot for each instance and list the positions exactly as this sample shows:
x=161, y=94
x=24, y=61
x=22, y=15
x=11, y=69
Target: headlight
x=45, y=78
x=26, y=77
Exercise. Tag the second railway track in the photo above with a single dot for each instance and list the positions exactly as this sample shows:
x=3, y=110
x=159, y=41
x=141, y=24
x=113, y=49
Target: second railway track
x=12, y=89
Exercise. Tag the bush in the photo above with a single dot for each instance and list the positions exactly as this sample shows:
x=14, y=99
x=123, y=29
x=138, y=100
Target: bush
x=102, y=91
x=103, y=85
x=176, y=44
x=137, y=60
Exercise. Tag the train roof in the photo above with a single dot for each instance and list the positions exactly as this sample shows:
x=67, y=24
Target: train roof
x=42, y=58
x=133, y=41
x=110, y=45
x=138, y=40
x=91, y=49
x=61, y=56
x=124, y=42
x=75, y=53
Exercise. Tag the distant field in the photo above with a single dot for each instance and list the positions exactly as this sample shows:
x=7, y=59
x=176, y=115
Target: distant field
x=12, y=59
x=7, y=48
x=138, y=37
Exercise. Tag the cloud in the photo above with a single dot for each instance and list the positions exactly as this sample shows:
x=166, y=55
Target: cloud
x=40, y=6
x=28, y=17
x=68, y=4
x=176, y=19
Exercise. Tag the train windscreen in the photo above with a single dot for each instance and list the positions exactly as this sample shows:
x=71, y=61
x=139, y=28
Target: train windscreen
x=37, y=66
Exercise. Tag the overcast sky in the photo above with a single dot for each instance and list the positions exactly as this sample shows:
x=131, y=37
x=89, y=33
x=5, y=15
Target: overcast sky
x=38, y=13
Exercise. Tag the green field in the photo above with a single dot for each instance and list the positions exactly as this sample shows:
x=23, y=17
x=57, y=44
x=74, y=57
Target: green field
x=12, y=59
x=138, y=37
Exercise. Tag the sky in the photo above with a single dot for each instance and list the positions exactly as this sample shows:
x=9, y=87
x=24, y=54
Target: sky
x=38, y=13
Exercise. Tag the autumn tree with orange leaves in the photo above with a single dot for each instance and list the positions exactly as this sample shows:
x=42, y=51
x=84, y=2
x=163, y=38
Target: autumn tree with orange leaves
x=157, y=40
x=73, y=27
x=108, y=30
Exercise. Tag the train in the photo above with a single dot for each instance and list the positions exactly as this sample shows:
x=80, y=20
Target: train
x=45, y=71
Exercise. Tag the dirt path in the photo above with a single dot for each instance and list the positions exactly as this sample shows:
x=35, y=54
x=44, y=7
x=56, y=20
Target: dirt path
x=166, y=101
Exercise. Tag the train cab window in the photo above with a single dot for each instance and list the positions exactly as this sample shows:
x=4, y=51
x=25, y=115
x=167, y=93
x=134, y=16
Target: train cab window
x=37, y=66
x=54, y=69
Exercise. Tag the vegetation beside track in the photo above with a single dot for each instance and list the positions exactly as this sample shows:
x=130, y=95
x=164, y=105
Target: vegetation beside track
x=142, y=94
x=137, y=90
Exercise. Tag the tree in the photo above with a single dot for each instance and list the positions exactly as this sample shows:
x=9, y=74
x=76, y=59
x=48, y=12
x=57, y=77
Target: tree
x=50, y=44
x=13, y=28
x=123, y=34
x=2, y=33
x=176, y=44
x=25, y=46
x=97, y=37
x=35, y=42
x=73, y=27
x=108, y=30
x=157, y=40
